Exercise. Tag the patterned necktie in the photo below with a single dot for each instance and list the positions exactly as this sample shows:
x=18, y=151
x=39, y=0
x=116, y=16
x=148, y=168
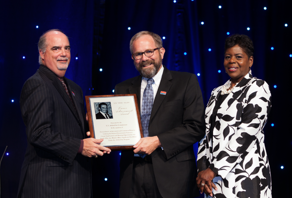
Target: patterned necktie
x=66, y=90
x=147, y=105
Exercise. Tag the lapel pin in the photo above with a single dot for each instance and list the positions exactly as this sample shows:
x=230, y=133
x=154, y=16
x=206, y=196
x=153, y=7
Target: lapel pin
x=163, y=92
x=73, y=93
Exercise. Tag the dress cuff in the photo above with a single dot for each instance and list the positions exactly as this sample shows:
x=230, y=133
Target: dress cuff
x=215, y=170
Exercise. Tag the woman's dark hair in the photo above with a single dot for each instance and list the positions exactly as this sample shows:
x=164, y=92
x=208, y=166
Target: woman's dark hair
x=241, y=40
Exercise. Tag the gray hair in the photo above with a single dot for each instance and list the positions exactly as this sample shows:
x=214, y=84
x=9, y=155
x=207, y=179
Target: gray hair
x=156, y=37
x=42, y=44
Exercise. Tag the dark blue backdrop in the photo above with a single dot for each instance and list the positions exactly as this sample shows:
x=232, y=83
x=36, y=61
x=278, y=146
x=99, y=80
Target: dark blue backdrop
x=193, y=33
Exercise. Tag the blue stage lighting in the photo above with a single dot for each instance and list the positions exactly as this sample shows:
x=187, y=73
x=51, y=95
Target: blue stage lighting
x=185, y=53
x=23, y=57
x=174, y=1
x=290, y=55
x=275, y=86
x=76, y=58
x=7, y=154
x=219, y=71
x=12, y=100
x=228, y=33
x=198, y=74
x=37, y=26
x=272, y=124
x=120, y=153
x=272, y=48
x=209, y=49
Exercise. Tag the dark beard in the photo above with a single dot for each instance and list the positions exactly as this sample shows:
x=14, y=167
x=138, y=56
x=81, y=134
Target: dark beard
x=149, y=72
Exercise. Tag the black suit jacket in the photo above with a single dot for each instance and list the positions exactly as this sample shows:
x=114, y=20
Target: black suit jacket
x=52, y=166
x=177, y=119
x=100, y=116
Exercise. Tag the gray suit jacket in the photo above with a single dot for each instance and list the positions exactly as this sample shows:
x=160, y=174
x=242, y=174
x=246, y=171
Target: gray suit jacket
x=177, y=118
x=52, y=166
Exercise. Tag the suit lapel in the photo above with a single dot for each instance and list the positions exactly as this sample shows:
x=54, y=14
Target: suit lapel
x=80, y=115
x=50, y=76
x=165, y=85
x=135, y=89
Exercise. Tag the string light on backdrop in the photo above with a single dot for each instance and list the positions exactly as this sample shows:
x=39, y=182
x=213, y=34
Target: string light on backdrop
x=129, y=28
x=209, y=49
x=219, y=71
x=76, y=58
x=272, y=48
x=106, y=179
x=164, y=37
x=113, y=91
x=220, y=7
x=7, y=154
x=185, y=53
x=101, y=70
x=12, y=100
x=198, y=74
x=37, y=26
x=286, y=25
x=265, y=8
x=23, y=57
x=272, y=124
x=290, y=55
x=228, y=33
x=275, y=86
x=282, y=167
x=202, y=23
x=248, y=28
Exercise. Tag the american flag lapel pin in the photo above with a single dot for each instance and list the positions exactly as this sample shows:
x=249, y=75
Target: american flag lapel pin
x=163, y=92
x=73, y=93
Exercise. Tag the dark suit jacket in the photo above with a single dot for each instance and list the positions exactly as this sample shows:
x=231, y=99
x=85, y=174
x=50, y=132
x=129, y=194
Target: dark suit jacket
x=52, y=166
x=177, y=119
x=100, y=116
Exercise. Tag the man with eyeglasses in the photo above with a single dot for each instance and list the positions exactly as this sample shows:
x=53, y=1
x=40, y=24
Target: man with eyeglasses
x=162, y=163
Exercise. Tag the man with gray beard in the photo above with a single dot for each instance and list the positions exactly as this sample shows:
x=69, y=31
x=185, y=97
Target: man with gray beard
x=162, y=163
x=57, y=162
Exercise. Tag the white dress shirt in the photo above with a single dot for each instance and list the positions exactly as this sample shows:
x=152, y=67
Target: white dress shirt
x=106, y=116
x=157, y=80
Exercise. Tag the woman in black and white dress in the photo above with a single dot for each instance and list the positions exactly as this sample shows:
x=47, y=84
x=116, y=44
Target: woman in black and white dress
x=232, y=158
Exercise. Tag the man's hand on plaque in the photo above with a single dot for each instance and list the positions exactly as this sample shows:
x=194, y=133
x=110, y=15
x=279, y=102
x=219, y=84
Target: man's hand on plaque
x=147, y=145
x=92, y=148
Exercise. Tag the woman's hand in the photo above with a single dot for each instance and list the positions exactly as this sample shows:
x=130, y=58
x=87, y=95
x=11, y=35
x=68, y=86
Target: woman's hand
x=204, y=181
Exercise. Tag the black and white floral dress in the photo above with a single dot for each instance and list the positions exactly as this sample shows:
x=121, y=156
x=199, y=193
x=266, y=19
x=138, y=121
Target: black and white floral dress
x=233, y=146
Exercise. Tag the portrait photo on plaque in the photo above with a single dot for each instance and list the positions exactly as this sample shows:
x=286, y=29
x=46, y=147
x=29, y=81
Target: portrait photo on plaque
x=103, y=110
x=115, y=119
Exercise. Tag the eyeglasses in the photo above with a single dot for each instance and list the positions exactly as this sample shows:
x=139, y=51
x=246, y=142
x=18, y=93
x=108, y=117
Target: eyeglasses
x=148, y=53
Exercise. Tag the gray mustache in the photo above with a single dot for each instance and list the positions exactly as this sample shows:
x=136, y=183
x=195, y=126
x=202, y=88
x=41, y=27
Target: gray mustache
x=64, y=59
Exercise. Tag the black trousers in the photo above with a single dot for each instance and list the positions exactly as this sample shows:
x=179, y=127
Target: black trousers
x=143, y=179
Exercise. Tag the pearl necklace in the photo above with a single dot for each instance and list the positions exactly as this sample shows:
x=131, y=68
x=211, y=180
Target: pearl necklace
x=226, y=86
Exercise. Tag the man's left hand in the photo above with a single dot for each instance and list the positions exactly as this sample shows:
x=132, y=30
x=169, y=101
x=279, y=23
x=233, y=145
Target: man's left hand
x=147, y=145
